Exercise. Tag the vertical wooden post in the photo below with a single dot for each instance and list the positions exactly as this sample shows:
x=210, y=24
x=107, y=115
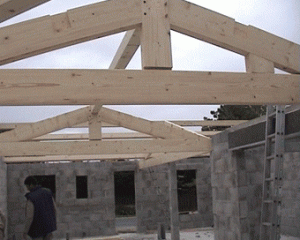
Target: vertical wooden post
x=155, y=37
x=255, y=64
x=174, y=214
x=95, y=124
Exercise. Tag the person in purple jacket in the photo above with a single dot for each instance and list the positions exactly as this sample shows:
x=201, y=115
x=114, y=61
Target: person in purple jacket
x=40, y=213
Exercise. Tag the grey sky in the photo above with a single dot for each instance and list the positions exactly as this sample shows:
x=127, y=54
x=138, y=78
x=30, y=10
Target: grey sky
x=280, y=17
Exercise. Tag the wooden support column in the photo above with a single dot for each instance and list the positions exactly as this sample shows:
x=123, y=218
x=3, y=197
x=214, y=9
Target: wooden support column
x=174, y=213
x=95, y=125
x=155, y=38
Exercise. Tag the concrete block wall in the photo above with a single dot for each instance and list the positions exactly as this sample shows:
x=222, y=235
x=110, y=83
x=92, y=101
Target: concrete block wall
x=237, y=180
x=152, y=196
x=203, y=217
x=290, y=207
x=224, y=176
x=3, y=187
x=250, y=178
x=93, y=216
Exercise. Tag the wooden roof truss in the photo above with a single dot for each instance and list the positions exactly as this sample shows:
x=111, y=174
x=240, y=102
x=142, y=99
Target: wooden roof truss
x=148, y=24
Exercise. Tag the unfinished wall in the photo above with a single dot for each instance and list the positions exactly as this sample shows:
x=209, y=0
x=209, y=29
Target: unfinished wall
x=3, y=187
x=225, y=190
x=152, y=198
x=237, y=179
x=152, y=195
x=290, y=208
x=250, y=177
x=93, y=216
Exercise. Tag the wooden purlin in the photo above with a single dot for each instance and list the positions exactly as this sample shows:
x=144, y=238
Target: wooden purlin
x=11, y=8
x=108, y=87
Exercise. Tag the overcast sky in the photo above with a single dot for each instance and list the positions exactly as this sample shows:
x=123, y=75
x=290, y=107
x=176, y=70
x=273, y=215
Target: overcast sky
x=280, y=17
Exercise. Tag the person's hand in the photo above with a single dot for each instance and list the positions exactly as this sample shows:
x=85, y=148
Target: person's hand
x=25, y=236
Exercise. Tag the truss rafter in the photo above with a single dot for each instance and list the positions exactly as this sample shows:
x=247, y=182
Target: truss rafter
x=11, y=8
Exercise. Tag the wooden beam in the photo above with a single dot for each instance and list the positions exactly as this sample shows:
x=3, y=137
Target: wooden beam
x=224, y=32
x=48, y=33
x=106, y=136
x=162, y=158
x=188, y=123
x=14, y=149
x=155, y=38
x=73, y=158
x=67, y=87
x=127, y=49
x=11, y=8
x=33, y=130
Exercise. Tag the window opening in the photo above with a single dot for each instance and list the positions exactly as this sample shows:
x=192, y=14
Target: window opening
x=187, y=191
x=81, y=187
x=124, y=193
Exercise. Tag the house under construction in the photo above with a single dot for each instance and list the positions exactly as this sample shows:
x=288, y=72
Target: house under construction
x=244, y=181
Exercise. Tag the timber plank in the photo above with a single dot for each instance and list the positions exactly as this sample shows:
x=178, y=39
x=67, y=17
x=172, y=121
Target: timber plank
x=14, y=149
x=68, y=87
x=11, y=8
x=48, y=33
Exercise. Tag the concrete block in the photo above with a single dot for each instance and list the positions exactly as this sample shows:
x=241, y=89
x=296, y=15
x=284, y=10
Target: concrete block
x=245, y=236
x=230, y=180
x=244, y=225
x=242, y=178
x=243, y=207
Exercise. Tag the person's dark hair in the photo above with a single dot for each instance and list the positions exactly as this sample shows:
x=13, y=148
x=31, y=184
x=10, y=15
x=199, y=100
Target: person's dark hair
x=30, y=181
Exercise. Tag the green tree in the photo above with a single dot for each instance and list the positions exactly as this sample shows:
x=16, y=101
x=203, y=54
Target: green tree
x=235, y=112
